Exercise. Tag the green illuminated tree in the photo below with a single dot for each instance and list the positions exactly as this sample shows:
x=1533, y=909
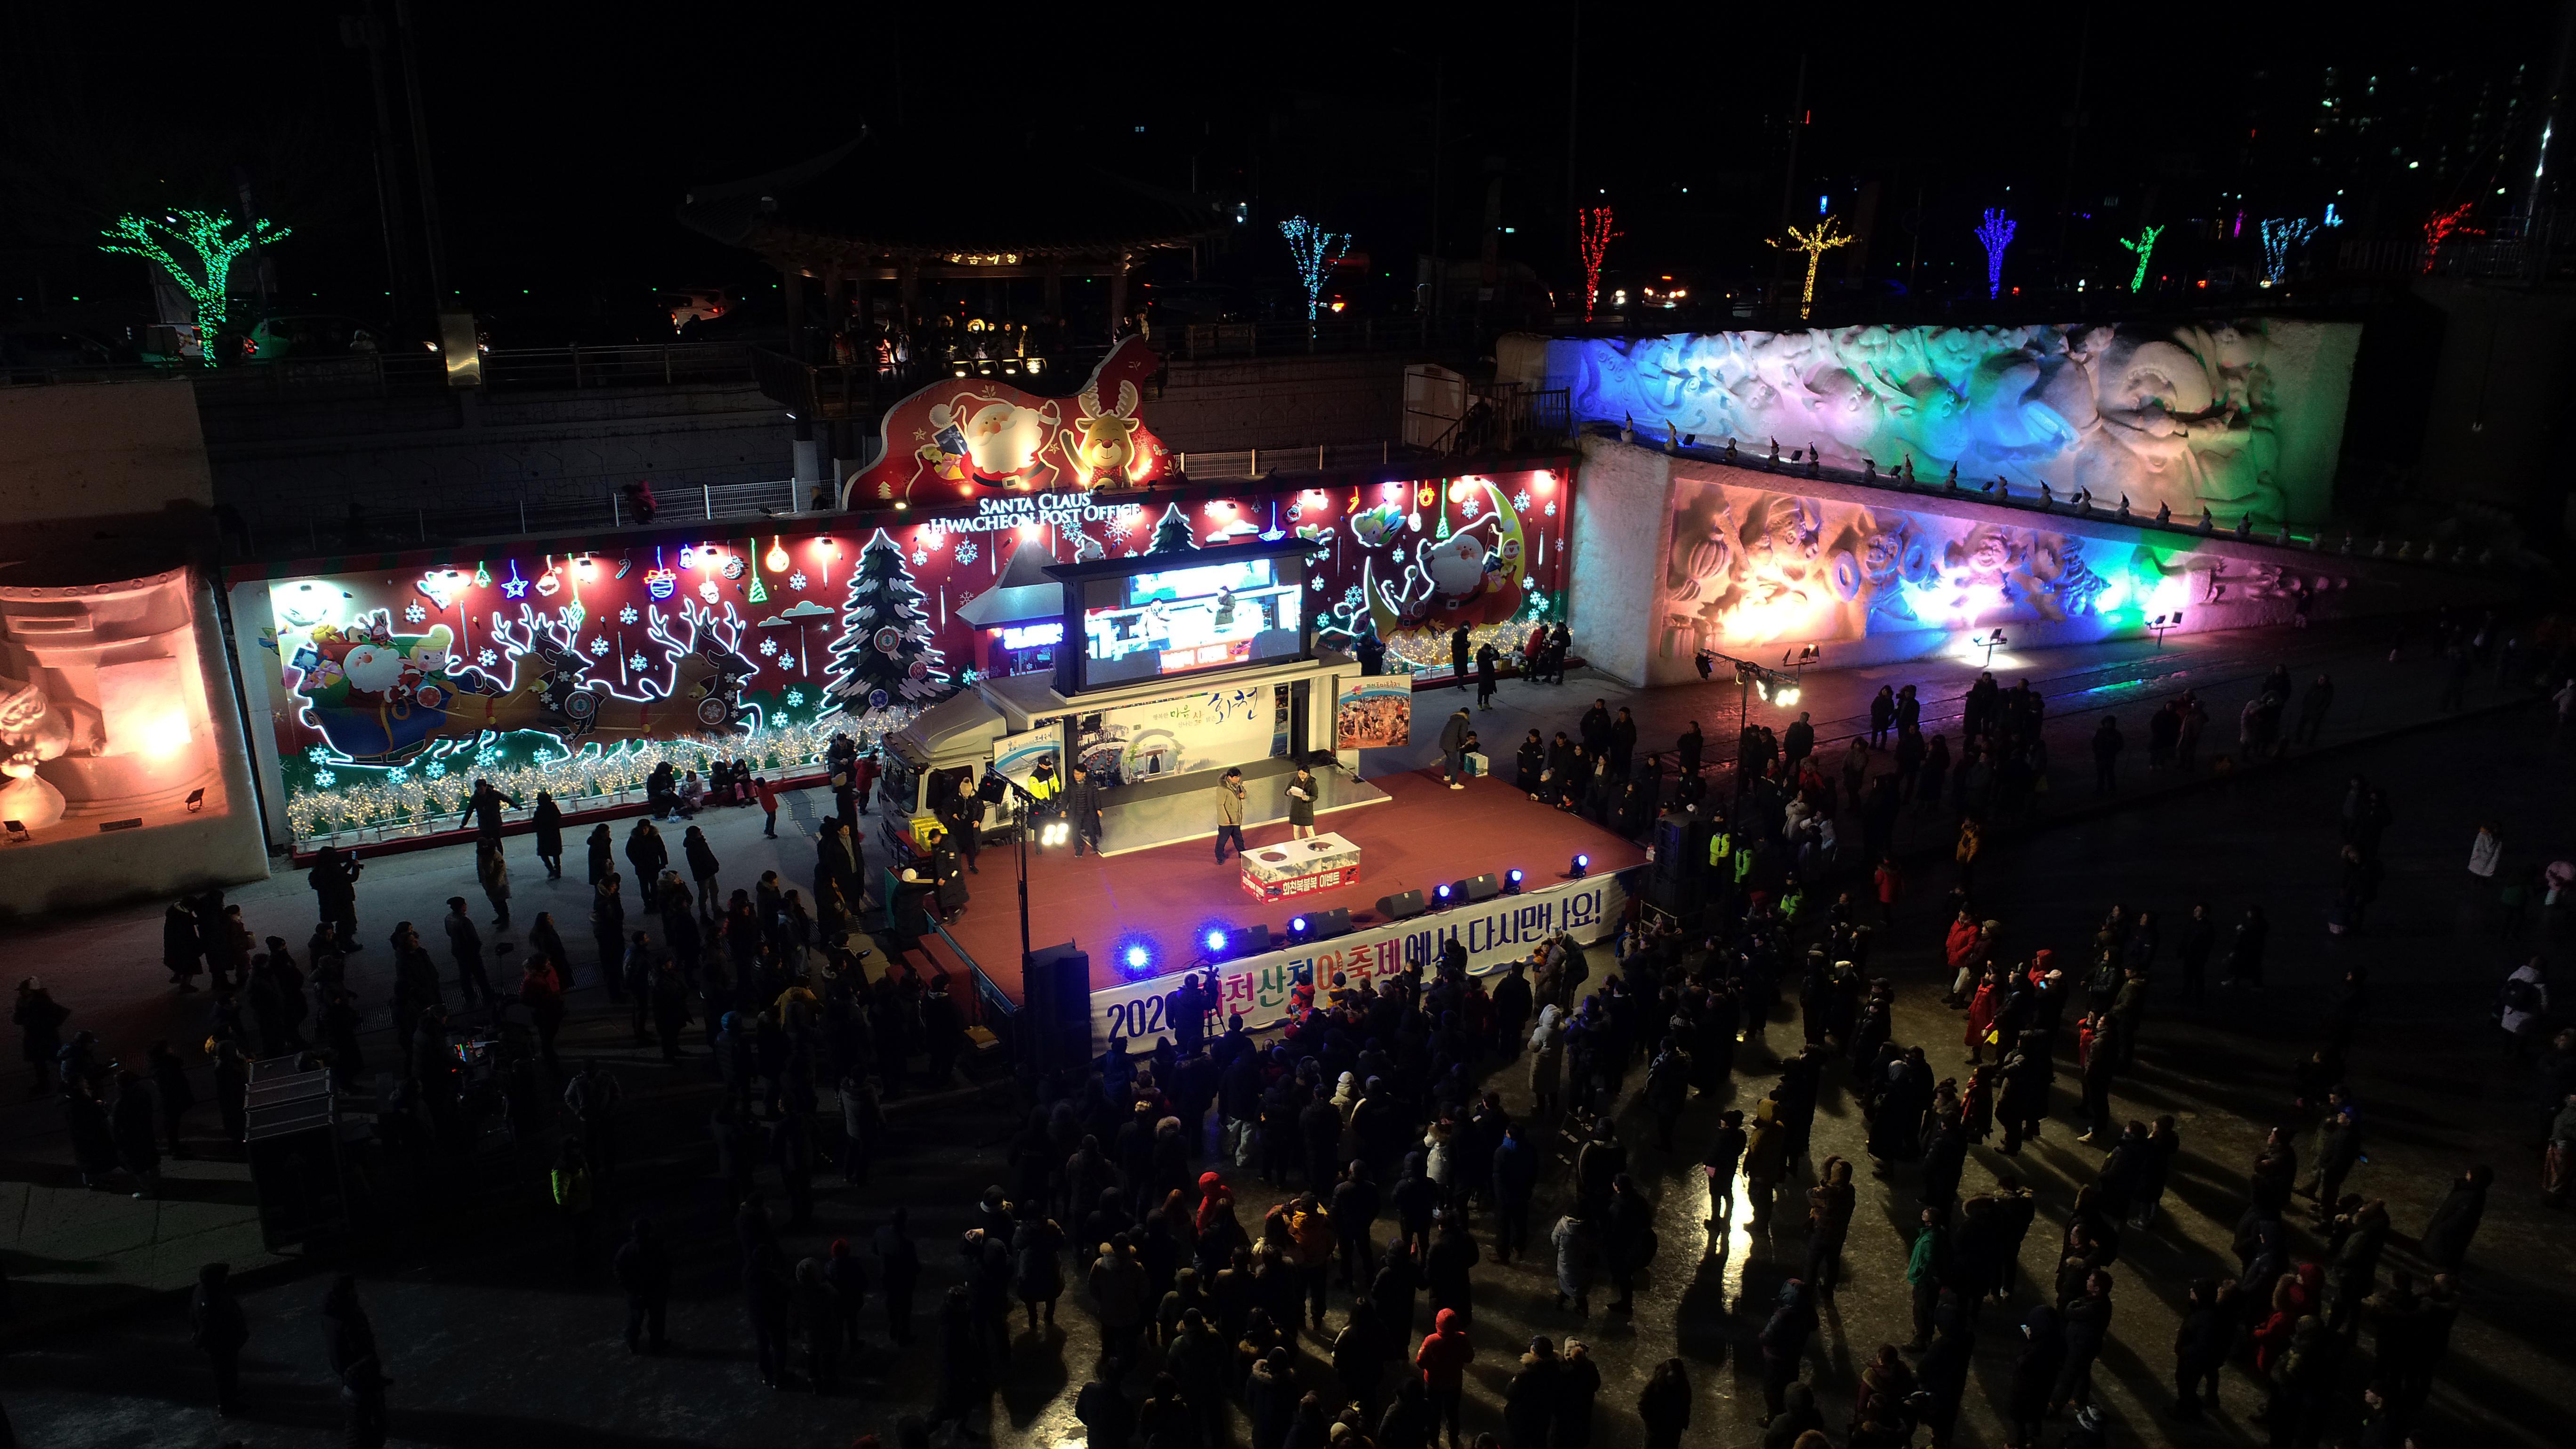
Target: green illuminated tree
x=2145, y=247
x=197, y=249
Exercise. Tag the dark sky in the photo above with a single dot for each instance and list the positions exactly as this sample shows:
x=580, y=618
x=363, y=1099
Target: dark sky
x=563, y=136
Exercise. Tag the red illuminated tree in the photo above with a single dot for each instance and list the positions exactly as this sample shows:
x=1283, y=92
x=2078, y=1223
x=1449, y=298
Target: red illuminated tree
x=2441, y=226
x=1598, y=233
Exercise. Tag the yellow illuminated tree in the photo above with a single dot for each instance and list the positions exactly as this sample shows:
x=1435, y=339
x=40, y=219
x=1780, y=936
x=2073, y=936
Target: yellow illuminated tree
x=1827, y=236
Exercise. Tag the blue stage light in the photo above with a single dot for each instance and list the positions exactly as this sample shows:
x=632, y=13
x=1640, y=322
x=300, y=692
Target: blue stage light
x=1297, y=925
x=1511, y=882
x=1216, y=942
x=1582, y=863
x=1442, y=896
x=1138, y=958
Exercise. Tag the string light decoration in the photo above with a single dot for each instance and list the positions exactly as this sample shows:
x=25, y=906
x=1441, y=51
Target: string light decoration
x=1316, y=250
x=2441, y=226
x=1994, y=233
x=2145, y=247
x=592, y=777
x=2279, y=235
x=1597, y=234
x=211, y=242
x=1827, y=236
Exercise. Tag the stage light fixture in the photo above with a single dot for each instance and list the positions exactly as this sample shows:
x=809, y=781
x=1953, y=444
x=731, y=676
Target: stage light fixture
x=1297, y=928
x=1511, y=882
x=1216, y=942
x=1582, y=863
x=1054, y=832
x=1443, y=895
x=1787, y=696
x=1138, y=958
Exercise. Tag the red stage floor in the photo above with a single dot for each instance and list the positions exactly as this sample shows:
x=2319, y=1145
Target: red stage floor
x=1424, y=835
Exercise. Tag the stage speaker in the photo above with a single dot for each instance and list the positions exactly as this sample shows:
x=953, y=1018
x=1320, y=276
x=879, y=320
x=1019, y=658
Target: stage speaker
x=1321, y=925
x=1671, y=829
x=1227, y=943
x=1055, y=990
x=1397, y=908
x=1476, y=888
x=992, y=788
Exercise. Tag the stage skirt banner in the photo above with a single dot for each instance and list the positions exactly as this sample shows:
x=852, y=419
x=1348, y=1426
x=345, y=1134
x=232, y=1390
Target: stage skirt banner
x=1496, y=933
x=1373, y=712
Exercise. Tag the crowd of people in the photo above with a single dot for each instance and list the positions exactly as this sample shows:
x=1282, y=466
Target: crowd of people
x=1295, y=1228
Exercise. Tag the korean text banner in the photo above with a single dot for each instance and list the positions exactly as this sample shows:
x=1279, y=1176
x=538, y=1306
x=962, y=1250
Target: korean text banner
x=1496, y=933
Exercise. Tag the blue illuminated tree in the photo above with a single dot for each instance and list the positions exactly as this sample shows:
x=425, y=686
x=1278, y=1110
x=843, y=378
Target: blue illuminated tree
x=1316, y=250
x=1995, y=233
x=2279, y=235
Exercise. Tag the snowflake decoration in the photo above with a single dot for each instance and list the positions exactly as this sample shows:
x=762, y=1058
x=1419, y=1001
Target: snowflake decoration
x=414, y=613
x=796, y=581
x=318, y=755
x=626, y=615
x=969, y=675
x=1521, y=500
x=487, y=658
x=795, y=698
x=434, y=770
x=1351, y=597
x=397, y=777
x=598, y=647
x=768, y=646
x=709, y=592
x=966, y=552
x=920, y=556
x=635, y=662
x=1121, y=526
x=1551, y=508
x=486, y=757
x=786, y=661
x=324, y=779
x=1467, y=508
x=1318, y=582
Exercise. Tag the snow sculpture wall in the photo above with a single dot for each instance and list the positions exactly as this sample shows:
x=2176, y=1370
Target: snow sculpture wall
x=2230, y=416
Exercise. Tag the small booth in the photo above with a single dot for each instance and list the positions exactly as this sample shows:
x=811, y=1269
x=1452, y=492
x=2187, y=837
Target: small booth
x=1019, y=622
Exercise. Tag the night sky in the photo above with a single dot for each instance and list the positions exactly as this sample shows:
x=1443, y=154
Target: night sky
x=562, y=138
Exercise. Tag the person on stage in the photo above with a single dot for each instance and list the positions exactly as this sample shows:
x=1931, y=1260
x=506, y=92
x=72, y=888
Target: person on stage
x=1301, y=805
x=1229, y=813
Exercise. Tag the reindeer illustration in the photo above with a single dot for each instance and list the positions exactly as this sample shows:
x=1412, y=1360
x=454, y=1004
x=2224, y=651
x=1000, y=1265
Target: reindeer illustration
x=561, y=691
x=709, y=669
x=1107, y=447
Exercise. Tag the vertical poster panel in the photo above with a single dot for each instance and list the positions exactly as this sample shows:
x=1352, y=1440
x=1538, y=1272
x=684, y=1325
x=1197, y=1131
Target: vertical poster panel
x=1496, y=933
x=1207, y=730
x=1372, y=713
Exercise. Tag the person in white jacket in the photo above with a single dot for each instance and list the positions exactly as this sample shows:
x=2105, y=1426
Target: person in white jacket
x=2522, y=1006
x=2484, y=854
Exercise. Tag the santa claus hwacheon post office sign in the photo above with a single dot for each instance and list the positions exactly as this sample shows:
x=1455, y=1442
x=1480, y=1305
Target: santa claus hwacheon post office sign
x=969, y=437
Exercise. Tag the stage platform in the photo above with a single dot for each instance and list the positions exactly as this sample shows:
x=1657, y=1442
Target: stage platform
x=1167, y=898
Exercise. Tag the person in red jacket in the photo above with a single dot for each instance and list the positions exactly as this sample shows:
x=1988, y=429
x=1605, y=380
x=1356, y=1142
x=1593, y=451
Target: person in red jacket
x=767, y=795
x=1965, y=948
x=1443, y=1360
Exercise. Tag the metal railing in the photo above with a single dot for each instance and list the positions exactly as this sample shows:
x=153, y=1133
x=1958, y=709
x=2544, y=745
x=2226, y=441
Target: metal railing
x=386, y=374
x=1194, y=341
x=305, y=531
